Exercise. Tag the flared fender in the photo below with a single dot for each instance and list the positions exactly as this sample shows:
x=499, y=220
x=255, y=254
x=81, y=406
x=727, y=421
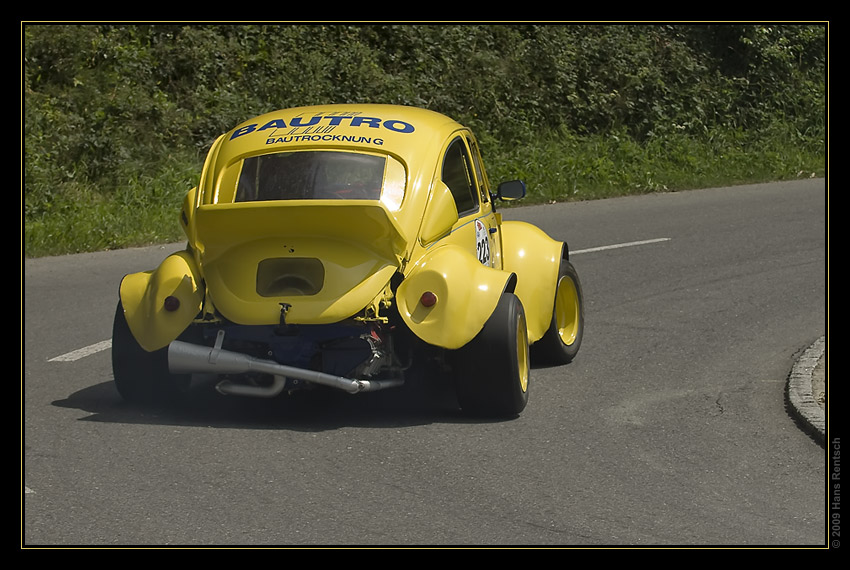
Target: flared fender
x=535, y=258
x=466, y=292
x=153, y=322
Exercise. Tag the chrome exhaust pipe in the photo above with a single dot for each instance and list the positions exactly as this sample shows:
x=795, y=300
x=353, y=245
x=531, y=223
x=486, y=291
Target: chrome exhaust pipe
x=229, y=388
x=187, y=358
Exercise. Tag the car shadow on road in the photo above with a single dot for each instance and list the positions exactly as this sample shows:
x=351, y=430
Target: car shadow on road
x=420, y=401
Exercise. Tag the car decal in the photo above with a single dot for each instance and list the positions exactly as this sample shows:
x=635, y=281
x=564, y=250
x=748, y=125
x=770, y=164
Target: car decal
x=313, y=125
x=325, y=138
x=482, y=243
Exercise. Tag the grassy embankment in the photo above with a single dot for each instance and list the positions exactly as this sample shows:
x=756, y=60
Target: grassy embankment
x=144, y=208
x=118, y=117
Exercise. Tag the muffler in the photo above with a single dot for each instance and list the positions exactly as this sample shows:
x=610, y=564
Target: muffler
x=187, y=358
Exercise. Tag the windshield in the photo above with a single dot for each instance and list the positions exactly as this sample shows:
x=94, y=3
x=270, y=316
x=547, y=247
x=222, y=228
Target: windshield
x=321, y=175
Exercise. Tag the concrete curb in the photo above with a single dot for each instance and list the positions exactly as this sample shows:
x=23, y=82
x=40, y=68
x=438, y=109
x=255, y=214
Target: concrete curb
x=808, y=370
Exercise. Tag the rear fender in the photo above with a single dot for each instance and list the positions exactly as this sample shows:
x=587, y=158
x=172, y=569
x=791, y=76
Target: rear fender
x=143, y=299
x=535, y=258
x=466, y=291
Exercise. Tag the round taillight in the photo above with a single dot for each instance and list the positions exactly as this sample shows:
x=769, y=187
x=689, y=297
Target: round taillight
x=428, y=299
x=171, y=303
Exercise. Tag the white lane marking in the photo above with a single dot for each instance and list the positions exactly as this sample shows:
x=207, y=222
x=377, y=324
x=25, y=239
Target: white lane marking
x=83, y=352
x=107, y=344
x=618, y=245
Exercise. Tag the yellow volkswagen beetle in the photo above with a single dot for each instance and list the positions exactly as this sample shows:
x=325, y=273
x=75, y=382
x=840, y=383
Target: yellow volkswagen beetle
x=340, y=245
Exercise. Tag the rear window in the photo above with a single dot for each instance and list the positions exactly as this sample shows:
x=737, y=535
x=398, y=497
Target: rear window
x=321, y=175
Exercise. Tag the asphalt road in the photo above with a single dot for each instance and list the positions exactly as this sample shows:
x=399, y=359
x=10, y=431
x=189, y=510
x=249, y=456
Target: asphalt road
x=670, y=428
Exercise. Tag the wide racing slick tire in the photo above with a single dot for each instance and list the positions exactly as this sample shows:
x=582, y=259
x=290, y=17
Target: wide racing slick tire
x=491, y=372
x=561, y=342
x=142, y=377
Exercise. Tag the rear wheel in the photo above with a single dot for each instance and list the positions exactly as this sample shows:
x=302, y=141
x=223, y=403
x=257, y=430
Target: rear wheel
x=142, y=377
x=560, y=343
x=492, y=371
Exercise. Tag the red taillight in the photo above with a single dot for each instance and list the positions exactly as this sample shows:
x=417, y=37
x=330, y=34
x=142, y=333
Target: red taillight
x=428, y=299
x=171, y=303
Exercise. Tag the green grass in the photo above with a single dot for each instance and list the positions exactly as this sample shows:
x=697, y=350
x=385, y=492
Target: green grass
x=141, y=205
x=138, y=207
x=570, y=169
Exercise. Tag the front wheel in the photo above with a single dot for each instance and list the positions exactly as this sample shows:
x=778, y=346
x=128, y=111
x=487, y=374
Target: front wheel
x=560, y=343
x=142, y=377
x=492, y=371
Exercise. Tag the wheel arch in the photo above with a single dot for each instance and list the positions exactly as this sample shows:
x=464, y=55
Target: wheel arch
x=152, y=321
x=535, y=258
x=466, y=292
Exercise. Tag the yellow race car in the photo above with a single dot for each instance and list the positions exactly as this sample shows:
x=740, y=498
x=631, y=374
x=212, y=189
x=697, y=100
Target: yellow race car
x=340, y=245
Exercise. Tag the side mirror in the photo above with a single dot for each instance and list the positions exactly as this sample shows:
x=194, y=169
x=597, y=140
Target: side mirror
x=512, y=190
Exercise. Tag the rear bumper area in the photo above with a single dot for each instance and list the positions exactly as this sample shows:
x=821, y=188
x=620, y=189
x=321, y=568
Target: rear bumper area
x=188, y=358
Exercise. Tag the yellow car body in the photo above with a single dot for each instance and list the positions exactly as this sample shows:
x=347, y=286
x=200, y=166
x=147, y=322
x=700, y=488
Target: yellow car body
x=371, y=216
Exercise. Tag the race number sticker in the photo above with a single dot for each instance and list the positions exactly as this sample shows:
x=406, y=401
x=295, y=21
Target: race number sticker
x=482, y=242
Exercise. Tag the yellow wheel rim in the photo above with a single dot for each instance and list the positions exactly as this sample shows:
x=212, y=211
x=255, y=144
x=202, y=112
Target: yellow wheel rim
x=567, y=310
x=522, y=352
